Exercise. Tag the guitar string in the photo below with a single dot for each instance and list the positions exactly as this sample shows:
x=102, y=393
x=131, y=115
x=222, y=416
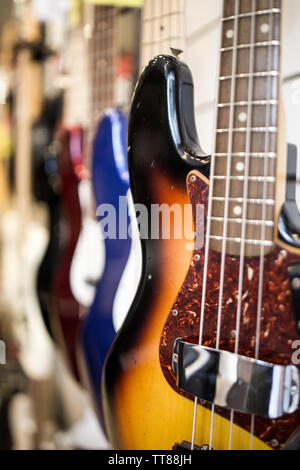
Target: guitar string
x=227, y=195
x=248, y=144
x=264, y=215
x=207, y=240
x=211, y=189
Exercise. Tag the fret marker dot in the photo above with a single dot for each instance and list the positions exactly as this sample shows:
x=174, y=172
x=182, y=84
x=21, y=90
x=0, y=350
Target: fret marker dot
x=242, y=117
x=240, y=166
x=229, y=34
x=237, y=210
x=265, y=28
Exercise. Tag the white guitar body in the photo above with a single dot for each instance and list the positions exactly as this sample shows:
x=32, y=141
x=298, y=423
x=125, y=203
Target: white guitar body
x=20, y=268
x=89, y=258
x=132, y=273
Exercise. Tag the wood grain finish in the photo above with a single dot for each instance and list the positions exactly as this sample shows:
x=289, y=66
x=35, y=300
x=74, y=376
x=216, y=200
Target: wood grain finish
x=102, y=61
x=244, y=165
x=101, y=67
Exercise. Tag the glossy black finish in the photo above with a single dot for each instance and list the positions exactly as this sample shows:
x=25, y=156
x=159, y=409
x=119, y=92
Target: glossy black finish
x=162, y=143
x=294, y=441
x=163, y=100
x=289, y=228
x=45, y=149
x=294, y=277
x=289, y=220
x=50, y=260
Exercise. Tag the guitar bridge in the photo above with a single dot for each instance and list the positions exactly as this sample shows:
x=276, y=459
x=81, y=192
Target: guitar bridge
x=186, y=446
x=236, y=382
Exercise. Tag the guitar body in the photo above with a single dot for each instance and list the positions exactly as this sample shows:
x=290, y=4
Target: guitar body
x=136, y=394
x=67, y=311
x=143, y=407
x=46, y=190
x=88, y=260
x=277, y=327
x=50, y=260
x=110, y=181
x=35, y=346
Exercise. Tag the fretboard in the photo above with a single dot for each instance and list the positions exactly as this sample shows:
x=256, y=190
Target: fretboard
x=163, y=27
x=102, y=54
x=244, y=165
x=103, y=60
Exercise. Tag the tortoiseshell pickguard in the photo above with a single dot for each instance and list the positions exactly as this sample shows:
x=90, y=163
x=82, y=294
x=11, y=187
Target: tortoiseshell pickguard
x=277, y=325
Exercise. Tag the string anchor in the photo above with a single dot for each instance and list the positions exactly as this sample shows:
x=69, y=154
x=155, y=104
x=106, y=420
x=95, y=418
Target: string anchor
x=176, y=52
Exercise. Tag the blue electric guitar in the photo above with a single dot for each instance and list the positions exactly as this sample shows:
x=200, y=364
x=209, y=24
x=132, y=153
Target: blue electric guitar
x=116, y=288
x=120, y=276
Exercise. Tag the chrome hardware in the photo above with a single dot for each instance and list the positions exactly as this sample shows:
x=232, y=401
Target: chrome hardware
x=236, y=382
x=184, y=446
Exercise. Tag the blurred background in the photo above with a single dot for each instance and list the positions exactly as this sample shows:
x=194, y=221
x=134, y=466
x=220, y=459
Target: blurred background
x=63, y=64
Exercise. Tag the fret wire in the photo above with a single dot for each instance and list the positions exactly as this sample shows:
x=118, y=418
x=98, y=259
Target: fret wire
x=261, y=179
x=270, y=202
x=253, y=103
x=252, y=13
x=272, y=73
x=269, y=223
x=256, y=44
x=246, y=129
x=247, y=240
x=251, y=154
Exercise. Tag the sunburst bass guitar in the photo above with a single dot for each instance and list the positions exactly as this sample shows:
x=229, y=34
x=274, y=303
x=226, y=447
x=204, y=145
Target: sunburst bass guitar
x=205, y=358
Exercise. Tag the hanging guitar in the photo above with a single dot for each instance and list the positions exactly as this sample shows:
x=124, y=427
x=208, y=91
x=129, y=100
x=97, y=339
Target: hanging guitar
x=67, y=315
x=81, y=259
x=88, y=258
x=205, y=358
x=46, y=189
x=110, y=178
x=25, y=236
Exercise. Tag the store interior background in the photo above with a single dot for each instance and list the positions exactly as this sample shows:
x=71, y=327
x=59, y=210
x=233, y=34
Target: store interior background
x=72, y=423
